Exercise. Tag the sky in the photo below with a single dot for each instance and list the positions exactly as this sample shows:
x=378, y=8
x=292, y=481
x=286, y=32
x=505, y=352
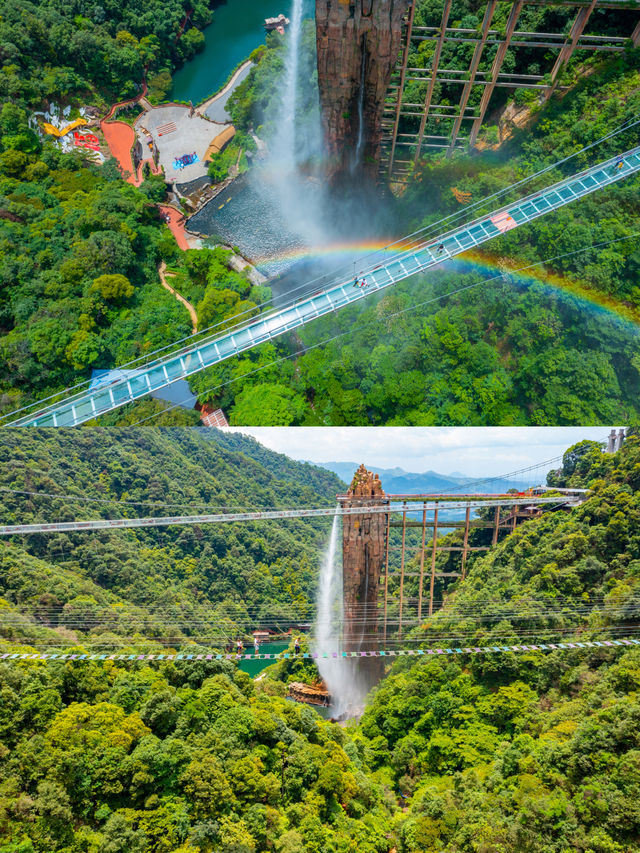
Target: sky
x=470, y=451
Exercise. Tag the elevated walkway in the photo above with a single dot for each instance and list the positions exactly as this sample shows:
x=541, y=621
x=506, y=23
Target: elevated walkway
x=207, y=351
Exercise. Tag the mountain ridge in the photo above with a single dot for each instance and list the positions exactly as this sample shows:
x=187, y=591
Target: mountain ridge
x=399, y=481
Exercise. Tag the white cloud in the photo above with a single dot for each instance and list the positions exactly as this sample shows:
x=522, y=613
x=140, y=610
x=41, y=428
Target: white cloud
x=473, y=451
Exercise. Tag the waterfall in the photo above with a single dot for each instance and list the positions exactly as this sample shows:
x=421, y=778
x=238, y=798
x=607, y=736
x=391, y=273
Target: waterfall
x=340, y=675
x=329, y=616
x=360, y=140
x=286, y=150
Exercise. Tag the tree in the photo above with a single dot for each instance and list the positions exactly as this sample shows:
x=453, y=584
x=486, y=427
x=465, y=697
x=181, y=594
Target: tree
x=114, y=287
x=268, y=405
x=208, y=789
x=13, y=163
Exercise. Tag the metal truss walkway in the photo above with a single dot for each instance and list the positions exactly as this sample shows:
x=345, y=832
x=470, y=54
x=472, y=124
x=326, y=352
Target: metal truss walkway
x=460, y=502
x=211, y=350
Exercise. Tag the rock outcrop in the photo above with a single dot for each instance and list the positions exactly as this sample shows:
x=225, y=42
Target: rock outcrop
x=358, y=44
x=311, y=694
x=363, y=552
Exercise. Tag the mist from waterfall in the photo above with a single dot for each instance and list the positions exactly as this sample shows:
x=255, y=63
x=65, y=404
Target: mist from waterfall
x=284, y=146
x=286, y=207
x=329, y=614
x=293, y=141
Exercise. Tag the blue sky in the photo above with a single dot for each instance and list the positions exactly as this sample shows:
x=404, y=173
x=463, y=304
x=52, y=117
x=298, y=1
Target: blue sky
x=473, y=451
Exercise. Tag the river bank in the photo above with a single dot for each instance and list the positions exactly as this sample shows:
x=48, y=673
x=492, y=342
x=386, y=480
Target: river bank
x=236, y=31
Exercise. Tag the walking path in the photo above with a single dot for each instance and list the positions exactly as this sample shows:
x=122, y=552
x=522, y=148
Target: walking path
x=162, y=272
x=120, y=138
x=215, y=107
x=175, y=221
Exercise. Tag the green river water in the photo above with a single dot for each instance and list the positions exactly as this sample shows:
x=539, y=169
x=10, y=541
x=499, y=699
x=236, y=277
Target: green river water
x=236, y=30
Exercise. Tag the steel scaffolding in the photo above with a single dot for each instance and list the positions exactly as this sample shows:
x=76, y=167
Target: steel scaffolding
x=554, y=49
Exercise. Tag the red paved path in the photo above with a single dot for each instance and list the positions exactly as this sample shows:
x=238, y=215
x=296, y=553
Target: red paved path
x=120, y=138
x=176, y=227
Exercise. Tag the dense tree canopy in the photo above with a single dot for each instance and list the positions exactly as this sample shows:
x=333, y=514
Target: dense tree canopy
x=533, y=751
x=52, y=50
x=165, y=582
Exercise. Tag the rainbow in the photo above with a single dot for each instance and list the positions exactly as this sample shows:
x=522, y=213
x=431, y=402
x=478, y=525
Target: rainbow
x=345, y=253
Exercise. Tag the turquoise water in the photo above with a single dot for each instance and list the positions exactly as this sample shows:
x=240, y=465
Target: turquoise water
x=255, y=667
x=237, y=29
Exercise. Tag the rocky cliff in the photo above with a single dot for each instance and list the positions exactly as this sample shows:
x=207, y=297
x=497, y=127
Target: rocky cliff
x=358, y=44
x=363, y=552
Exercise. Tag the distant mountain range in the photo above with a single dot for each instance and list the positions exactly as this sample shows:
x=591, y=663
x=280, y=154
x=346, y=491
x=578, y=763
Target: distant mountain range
x=397, y=481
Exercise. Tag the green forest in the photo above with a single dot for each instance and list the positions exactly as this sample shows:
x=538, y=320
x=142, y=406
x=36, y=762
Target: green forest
x=80, y=249
x=164, y=583
x=535, y=751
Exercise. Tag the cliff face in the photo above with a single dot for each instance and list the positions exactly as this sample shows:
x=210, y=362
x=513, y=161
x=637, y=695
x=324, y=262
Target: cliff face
x=358, y=45
x=363, y=551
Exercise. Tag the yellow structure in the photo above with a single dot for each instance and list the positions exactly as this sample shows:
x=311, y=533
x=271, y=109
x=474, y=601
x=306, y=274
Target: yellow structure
x=220, y=142
x=56, y=131
x=461, y=196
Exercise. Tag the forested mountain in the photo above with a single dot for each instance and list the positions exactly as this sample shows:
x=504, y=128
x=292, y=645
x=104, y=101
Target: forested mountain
x=164, y=582
x=398, y=481
x=80, y=247
x=535, y=751
x=529, y=751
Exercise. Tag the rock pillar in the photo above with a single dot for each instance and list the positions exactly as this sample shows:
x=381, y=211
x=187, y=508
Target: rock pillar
x=363, y=555
x=358, y=45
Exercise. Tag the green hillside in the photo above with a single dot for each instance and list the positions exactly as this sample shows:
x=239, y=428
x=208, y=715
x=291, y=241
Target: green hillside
x=535, y=752
x=531, y=752
x=555, y=345
x=164, y=583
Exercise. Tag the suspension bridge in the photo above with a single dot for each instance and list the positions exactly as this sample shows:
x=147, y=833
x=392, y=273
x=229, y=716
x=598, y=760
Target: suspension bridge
x=464, y=502
x=378, y=593
x=143, y=379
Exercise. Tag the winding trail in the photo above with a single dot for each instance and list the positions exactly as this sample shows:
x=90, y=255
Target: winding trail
x=162, y=272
